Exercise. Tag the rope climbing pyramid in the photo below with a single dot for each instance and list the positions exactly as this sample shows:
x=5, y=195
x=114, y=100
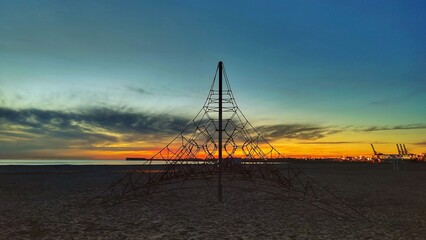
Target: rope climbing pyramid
x=221, y=149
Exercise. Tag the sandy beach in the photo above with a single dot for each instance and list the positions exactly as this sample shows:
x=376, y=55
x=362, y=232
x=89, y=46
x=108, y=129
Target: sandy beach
x=46, y=202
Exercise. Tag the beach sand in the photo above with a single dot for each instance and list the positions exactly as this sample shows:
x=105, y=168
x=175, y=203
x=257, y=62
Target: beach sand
x=47, y=202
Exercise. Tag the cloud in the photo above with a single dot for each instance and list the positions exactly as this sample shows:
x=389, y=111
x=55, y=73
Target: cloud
x=397, y=127
x=296, y=131
x=109, y=119
x=27, y=130
x=327, y=143
x=421, y=143
x=34, y=132
x=138, y=90
x=400, y=98
x=2, y=98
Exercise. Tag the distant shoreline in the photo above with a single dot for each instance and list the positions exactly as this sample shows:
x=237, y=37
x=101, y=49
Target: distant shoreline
x=77, y=162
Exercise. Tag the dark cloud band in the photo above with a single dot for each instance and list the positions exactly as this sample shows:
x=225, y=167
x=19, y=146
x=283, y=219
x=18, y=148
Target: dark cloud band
x=397, y=127
x=297, y=131
x=116, y=121
x=28, y=131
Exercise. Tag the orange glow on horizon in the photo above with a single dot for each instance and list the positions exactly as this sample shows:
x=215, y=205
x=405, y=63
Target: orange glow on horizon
x=292, y=149
x=333, y=146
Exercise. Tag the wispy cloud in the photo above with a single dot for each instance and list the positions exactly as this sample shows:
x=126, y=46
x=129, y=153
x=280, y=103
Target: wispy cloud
x=138, y=90
x=109, y=119
x=397, y=127
x=310, y=131
x=27, y=130
x=34, y=132
x=421, y=143
x=326, y=143
x=399, y=98
x=2, y=98
x=297, y=131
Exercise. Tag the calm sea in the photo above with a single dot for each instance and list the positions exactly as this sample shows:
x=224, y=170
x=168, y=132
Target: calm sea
x=8, y=162
x=72, y=162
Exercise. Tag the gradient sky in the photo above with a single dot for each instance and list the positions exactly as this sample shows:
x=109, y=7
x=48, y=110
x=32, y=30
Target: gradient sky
x=109, y=79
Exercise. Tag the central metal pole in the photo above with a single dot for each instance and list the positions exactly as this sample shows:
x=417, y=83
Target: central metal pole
x=220, y=133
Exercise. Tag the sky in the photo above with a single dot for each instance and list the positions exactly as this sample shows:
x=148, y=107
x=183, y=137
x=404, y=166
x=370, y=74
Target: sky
x=110, y=79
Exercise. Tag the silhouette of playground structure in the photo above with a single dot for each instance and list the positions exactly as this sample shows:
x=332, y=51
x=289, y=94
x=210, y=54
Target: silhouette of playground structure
x=220, y=149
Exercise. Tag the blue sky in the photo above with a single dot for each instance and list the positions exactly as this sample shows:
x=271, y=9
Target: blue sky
x=331, y=63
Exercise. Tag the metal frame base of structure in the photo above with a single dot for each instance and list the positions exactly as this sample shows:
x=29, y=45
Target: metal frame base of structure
x=283, y=180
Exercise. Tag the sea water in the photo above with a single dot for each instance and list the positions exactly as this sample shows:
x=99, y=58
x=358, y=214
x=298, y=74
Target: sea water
x=74, y=162
x=53, y=162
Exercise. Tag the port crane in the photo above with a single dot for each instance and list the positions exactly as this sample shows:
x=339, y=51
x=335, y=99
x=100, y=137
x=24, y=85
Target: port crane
x=403, y=154
x=381, y=157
